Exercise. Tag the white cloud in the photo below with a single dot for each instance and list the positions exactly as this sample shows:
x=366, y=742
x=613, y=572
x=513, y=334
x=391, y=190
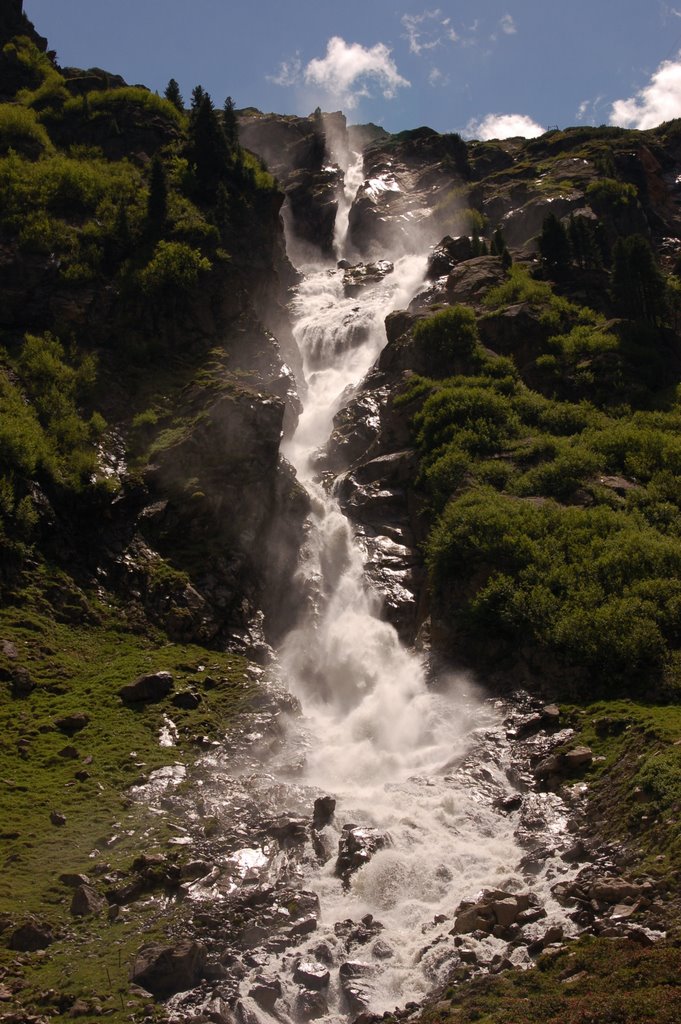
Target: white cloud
x=437, y=77
x=659, y=101
x=347, y=67
x=503, y=126
x=582, y=109
x=289, y=72
x=507, y=25
x=415, y=31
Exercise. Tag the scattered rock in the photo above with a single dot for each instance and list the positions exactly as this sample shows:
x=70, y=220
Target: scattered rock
x=57, y=819
x=71, y=724
x=69, y=752
x=578, y=757
x=73, y=881
x=187, y=699
x=85, y=901
x=151, y=687
x=31, y=936
x=615, y=890
x=165, y=970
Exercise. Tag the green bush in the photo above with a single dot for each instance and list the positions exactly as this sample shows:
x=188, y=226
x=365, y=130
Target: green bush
x=608, y=193
x=110, y=100
x=449, y=339
x=21, y=131
x=174, y=266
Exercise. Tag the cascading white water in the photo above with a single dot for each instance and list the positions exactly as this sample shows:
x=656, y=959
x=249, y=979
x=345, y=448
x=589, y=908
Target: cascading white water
x=389, y=749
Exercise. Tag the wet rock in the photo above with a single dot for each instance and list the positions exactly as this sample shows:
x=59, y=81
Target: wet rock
x=71, y=724
x=381, y=950
x=310, y=1005
x=323, y=811
x=353, y=975
x=266, y=991
x=288, y=831
x=358, y=277
x=165, y=970
x=85, y=901
x=447, y=254
x=312, y=975
x=152, y=687
x=509, y=803
x=356, y=847
x=305, y=926
x=30, y=936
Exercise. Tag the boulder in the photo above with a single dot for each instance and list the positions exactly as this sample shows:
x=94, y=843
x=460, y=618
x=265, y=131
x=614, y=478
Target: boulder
x=578, y=757
x=470, y=281
x=495, y=909
x=266, y=991
x=85, y=901
x=360, y=276
x=57, y=819
x=354, y=975
x=165, y=970
x=152, y=687
x=71, y=724
x=615, y=890
x=310, y=1005
x=30, y=936
x=312, y=975
x=447, y=254
x=356, y=847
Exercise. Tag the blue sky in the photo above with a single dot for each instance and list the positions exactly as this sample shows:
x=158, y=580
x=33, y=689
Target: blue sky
x=481, y=67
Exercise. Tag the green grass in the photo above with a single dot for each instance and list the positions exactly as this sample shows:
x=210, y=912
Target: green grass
x=592, y=982
x=78, y=666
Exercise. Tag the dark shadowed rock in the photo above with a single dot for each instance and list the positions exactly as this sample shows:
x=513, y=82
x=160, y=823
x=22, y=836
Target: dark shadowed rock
x=71, y=724
x=164, y=970
x=311, y=1005
x=266, y=991
x=152, y=687
x=445, y=256
x=356, y=847
x=322, y=814
x=31, y=936
x=57, y=819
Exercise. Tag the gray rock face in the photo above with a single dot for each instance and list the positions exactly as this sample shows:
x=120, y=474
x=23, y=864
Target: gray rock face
x=164, y=970
x=302, y=152
x=407, y=178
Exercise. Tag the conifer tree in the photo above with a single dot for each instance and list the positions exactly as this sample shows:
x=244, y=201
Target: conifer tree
x=554, y=246
x=173, y=94
x=157, y=201
x=207, y=147
x=638, y=287
x=230, y=125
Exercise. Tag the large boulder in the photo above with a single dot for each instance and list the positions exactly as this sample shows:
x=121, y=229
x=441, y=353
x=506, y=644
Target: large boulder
x=152, y=687
x=165, y=970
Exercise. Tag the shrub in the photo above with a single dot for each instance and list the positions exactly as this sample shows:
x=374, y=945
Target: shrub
x=449, y=339
x=174, y=266
x=21, y=131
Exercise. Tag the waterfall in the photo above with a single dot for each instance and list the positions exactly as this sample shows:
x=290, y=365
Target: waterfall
x=379, y=740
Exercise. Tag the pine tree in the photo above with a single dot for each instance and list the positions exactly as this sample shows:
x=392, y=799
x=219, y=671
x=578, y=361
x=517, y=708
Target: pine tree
x=230, y=125
x=499, y=248
x=638, y=287
x=173, y=94
x=554, y=246
x=157, y=201
x=207, y=147
x=197, y=96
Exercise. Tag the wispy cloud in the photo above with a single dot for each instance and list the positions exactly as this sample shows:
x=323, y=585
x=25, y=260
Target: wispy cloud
x=438, y=77
x=658, y=101
x=503, y=126
x=347, y=70
x=507, y=25
x=423, y=31
x=290, y=72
